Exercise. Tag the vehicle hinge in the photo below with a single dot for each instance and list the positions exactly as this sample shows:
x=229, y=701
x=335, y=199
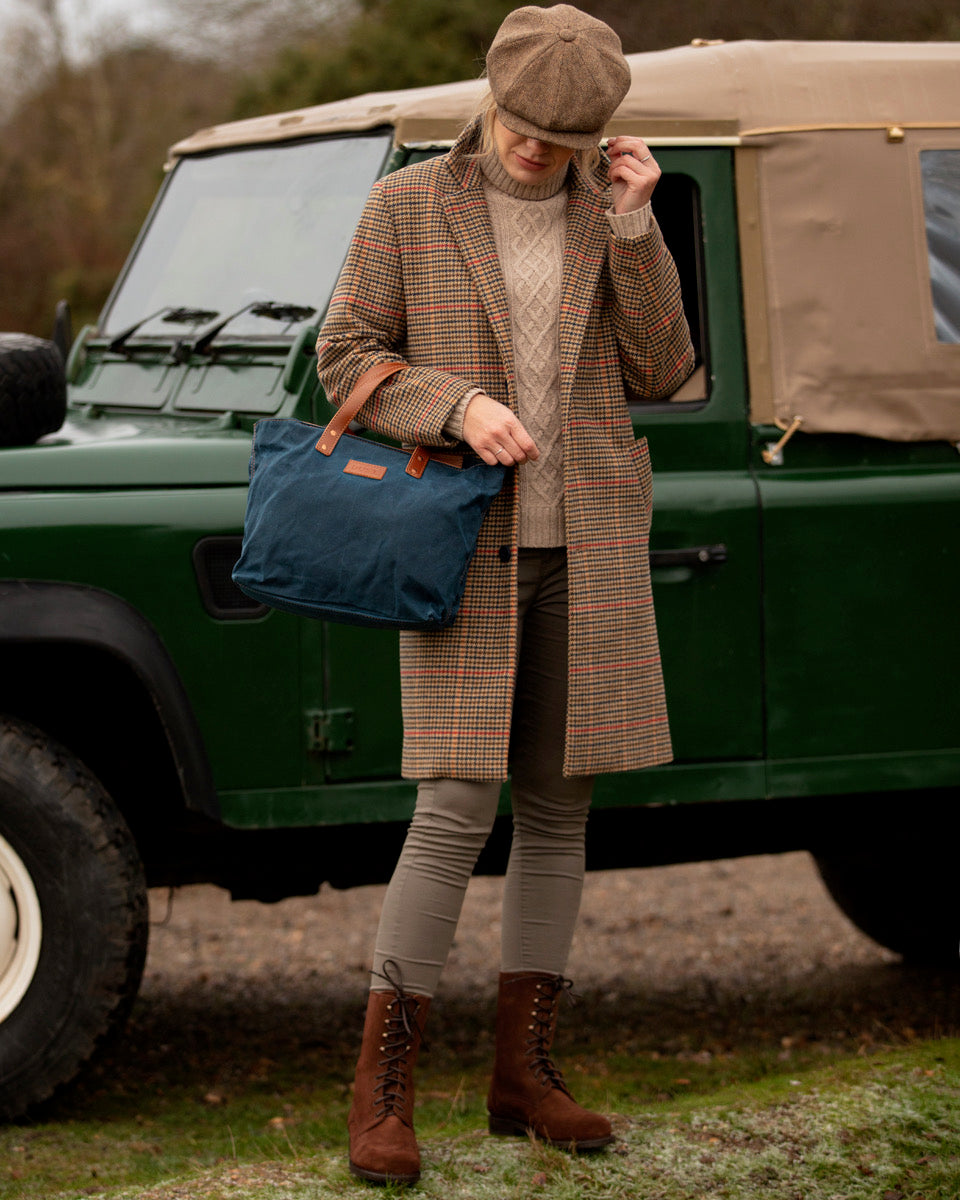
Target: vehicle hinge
x=330, y=730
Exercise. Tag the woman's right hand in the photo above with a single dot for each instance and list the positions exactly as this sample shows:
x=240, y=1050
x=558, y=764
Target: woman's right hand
x=492, y=430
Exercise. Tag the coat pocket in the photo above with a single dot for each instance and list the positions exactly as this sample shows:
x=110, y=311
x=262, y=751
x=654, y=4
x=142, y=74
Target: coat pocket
x=640, y=454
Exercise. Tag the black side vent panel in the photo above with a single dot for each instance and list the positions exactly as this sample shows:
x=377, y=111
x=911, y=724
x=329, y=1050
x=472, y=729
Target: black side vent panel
x=213, y=562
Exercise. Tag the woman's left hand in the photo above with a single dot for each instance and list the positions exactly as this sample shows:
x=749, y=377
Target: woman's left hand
x=633, y=173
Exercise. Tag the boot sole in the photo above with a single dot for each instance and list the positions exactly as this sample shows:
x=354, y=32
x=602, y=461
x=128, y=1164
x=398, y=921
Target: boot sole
x=507, y=1127
x=381, y=1177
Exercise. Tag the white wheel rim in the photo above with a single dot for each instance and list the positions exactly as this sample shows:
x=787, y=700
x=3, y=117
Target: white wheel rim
x=21, y=929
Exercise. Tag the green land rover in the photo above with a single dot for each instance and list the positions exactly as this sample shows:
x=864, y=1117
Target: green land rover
x=159, y=728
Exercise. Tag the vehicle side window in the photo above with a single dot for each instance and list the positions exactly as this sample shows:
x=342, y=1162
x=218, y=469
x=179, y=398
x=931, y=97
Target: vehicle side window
x=940, y=171
x=676, y=205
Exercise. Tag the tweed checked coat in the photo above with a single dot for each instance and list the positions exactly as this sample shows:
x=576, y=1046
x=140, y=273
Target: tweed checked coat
x=422, y=283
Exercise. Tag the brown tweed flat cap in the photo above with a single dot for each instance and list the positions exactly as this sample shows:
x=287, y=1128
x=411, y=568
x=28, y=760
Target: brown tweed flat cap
x=557, y=74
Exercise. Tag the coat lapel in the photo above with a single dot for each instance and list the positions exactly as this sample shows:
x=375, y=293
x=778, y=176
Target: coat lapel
x=584, y=255
x=466, y=210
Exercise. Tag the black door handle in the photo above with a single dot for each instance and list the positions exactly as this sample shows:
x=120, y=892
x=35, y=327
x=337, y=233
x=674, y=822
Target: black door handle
x=689, y=556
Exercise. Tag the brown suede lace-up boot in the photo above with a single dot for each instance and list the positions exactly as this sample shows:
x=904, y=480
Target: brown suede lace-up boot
x=383, y=1146
x=528, y=1093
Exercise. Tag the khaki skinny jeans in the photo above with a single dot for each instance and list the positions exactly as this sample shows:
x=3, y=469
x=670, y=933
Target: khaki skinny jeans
x=453, y=818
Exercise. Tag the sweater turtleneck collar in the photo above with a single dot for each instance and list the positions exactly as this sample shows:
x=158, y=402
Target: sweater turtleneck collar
x=496, y=174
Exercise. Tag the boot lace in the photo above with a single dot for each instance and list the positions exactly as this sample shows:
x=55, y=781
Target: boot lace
x=544, y=1014
x=400, y=1035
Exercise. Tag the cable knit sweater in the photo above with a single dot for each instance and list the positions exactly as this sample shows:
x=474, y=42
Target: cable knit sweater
x=529, y=224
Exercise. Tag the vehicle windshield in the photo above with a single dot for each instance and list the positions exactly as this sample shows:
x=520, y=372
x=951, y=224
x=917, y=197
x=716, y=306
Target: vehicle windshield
x=267, y=223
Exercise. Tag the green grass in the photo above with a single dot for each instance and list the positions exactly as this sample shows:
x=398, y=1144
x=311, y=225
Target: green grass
x=788, y=1122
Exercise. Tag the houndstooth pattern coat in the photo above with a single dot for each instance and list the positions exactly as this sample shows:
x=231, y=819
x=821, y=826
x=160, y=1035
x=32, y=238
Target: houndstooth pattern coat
x=422, y=283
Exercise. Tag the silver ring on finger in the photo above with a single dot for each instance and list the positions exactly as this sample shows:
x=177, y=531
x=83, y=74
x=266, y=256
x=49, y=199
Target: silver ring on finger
x=645, y=158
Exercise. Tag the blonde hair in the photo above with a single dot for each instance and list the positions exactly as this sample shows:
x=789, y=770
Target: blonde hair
x=487, y=111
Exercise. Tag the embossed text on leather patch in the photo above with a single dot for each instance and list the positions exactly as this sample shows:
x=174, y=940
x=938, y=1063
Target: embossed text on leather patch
x=367, y=470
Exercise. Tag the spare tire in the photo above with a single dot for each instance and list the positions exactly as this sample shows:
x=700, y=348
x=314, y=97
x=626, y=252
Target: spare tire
x=33, y=389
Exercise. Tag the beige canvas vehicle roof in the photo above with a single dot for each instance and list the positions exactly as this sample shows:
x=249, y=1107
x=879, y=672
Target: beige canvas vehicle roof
x=828, y=140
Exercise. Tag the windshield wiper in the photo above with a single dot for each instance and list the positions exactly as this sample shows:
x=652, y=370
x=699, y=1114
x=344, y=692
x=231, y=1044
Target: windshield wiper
x=170, y=316
x=275, y=310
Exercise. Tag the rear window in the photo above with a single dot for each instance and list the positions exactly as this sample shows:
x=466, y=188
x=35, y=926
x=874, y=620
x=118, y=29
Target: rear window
x=941, y=209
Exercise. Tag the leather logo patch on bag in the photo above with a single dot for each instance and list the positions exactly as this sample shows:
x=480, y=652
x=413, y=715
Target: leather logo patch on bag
x=367, y=470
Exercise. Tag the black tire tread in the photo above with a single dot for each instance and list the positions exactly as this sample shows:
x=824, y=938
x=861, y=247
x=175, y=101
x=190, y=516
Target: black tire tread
x=898, y=897
x=68, y=785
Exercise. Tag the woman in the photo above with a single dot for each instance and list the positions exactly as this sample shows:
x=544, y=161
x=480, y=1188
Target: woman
x=523, y=279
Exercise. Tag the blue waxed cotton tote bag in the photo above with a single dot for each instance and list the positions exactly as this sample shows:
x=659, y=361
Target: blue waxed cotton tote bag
x=345, y=529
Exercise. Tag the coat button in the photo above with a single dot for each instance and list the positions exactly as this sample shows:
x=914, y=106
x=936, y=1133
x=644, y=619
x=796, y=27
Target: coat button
x=504, y=553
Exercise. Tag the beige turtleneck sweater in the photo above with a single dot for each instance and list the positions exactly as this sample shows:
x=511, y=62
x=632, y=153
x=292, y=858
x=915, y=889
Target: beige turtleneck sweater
x=529, y=226
x=529, y=222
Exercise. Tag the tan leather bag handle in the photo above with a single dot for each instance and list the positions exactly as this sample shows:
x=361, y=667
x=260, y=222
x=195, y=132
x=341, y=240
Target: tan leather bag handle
x=363, y=389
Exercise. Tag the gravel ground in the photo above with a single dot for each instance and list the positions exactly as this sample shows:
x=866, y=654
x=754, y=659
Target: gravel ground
x=739, y=924
x=687, y=960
